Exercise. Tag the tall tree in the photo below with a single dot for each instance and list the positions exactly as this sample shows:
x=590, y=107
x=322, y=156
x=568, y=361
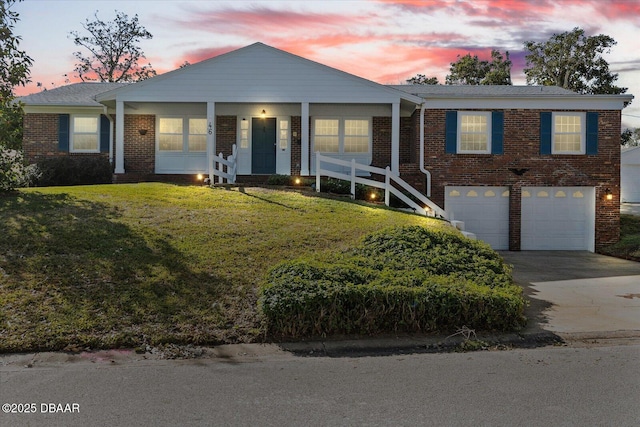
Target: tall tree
x=470, y=70
x=421, y=79
x=115, y=54
x=14, y=71
x=573, y=61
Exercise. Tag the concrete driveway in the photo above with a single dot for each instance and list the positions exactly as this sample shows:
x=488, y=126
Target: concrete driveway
x=579, y=293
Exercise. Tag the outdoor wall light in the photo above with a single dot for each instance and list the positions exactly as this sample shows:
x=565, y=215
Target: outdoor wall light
x=263, y=114
x=372, y=196
x=608, y=194
x=297, y=181
x=200, y=177
x=142, y=131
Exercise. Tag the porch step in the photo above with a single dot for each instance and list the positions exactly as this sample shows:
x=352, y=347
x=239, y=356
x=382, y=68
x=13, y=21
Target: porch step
x=458, y=224
x=469, y=235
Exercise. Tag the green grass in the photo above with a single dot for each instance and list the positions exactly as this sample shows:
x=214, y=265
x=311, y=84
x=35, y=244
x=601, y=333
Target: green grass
x=125, y=265
x=629, y=245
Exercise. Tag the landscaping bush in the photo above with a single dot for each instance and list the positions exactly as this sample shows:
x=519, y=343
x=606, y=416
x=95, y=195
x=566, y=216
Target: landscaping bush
x=407, y=279
x=14, y=173
x=68, y=170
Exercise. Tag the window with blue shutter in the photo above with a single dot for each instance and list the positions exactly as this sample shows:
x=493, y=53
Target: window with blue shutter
x=592, y=133
x=451, y=131
x=63, y=132
x=545, y=133
x=105, y=128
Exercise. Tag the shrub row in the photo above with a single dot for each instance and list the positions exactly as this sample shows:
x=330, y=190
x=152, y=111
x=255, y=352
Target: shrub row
x=407, y=279
x=68, y=170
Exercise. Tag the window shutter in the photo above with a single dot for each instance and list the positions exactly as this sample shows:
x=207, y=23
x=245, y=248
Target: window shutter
x=63, y=132
x=545, y=133
x=592, y=133
x=497, y=132
x=105, y=128
x=451, y=131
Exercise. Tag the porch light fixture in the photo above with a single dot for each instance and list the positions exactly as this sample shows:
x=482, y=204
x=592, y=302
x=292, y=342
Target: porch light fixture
x=608, y=194
x=200, y=177
x=263, y=114
x=297, y=181
x=142, y=131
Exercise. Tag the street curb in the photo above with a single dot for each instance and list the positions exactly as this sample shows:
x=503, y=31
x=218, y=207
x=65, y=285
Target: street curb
x=408, y=345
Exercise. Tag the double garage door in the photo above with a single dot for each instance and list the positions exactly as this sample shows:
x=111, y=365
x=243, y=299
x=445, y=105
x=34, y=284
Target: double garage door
x=552, y=218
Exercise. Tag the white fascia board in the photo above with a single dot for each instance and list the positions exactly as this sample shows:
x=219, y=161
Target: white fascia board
x=61, y=109
x=561, y=102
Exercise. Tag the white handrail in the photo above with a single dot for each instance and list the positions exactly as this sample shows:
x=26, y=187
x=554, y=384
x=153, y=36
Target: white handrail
x=428, y=208
x=231, y=163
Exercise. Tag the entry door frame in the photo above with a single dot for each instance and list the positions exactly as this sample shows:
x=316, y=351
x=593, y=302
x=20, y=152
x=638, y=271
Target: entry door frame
x=263, y=145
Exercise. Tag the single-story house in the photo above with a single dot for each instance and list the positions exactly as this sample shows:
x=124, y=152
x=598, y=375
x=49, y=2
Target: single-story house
x=525, y=167
x=630, y=175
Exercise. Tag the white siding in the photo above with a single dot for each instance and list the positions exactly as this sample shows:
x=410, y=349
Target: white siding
x=259, y=73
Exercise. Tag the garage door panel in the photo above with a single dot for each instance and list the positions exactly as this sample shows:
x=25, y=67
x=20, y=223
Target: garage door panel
x=558, y=218
x=484, y=210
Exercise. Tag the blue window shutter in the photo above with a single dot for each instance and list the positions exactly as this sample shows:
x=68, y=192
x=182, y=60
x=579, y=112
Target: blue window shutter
x=105, y=127
x=545, y=133
x=592, y=133
x=497, y=132
x=63, y=132
x=451, y=131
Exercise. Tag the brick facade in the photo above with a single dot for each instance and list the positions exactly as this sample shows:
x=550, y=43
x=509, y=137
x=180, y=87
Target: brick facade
x=40, y=138
x=139, y=150
x=522, y=151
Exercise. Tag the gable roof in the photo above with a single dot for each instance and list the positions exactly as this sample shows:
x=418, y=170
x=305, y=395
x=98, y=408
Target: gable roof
x=258, y=73
x=73, y=95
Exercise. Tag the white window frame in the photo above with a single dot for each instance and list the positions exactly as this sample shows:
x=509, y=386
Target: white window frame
x=185, y=134
x=583, y=132
x=72, y=133
x=461, y=114
x=341, y=135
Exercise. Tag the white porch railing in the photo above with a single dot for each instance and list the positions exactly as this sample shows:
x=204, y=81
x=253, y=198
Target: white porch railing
x=428, y=207
x=231, y=164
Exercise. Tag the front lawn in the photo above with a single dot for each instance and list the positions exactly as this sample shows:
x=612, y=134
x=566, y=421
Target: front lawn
x=126, y=265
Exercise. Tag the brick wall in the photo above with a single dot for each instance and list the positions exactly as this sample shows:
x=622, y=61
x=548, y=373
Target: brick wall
x=521, y=151
x=296, y=145
x=139, y=150
x=40, y=138
x=226, y=129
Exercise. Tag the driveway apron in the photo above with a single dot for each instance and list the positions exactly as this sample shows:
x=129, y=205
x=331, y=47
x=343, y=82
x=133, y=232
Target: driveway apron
x=579, y=293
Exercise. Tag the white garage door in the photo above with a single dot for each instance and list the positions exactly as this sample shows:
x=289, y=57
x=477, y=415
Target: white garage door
x=558, y=218
x=484, y=210
x=630, y=183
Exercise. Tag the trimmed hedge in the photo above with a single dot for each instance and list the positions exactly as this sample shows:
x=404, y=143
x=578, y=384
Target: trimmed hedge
x=71, y=170
x=407, y=279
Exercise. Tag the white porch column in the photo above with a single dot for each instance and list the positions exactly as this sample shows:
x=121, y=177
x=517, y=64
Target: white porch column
x=395, y=138
x=211, y=137
x=304, y=139
x=119, y=137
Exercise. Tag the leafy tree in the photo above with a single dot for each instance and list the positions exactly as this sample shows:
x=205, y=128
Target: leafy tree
x=114, y=51
x=14, y=71
x=421, y=79
x=573, y=61
x=470, y=70
x=630, y=137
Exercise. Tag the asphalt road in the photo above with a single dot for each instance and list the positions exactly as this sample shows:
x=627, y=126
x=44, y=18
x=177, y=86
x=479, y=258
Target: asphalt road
x=557, y=386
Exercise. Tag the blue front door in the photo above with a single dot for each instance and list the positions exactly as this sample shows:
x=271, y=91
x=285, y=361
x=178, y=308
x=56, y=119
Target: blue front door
x=263, y=146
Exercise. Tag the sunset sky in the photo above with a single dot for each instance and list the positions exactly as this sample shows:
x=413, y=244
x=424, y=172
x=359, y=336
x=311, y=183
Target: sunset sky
x=387, y=41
